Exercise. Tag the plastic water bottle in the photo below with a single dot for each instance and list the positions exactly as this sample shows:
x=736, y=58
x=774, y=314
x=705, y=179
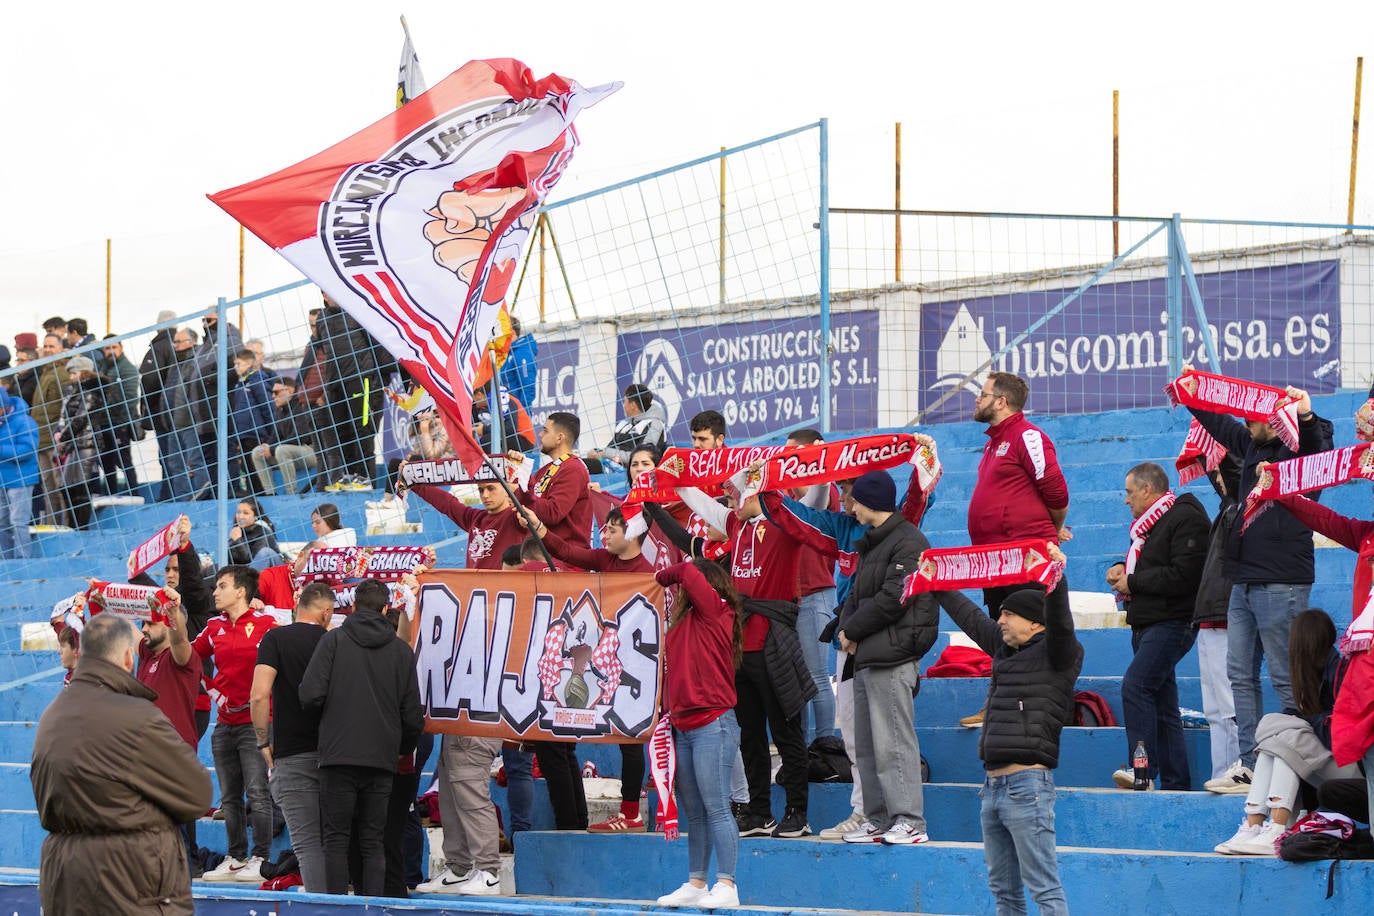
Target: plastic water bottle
x=1140, y=762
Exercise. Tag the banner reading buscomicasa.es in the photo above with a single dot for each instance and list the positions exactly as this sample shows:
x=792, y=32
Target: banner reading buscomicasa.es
x=540, y=656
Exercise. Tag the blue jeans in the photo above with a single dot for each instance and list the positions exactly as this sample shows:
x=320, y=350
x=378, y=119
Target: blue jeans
x=1257, y=622
x=1149, y=698
x=186, y=470
x=16, y=507
x=240, y=768
x=519, y=787
x=295, y=786
x=705, y=760
x=1018, y=842
x=814, y=612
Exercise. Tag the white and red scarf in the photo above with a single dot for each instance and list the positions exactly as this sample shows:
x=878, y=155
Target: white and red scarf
x=132, y=602
x=1359, y=636
x=1201, y=454
x=448, y=471
x=386, y=564
x=826, y=462
x=986, y=566
x=663, y=767
x=1141, y=527
x=166, y=542
x=1364, y=421
x=1239, y=398
x=1307, y=473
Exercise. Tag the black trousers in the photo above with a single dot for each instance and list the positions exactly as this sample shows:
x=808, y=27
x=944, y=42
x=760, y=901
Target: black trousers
x=563, y=778
x=1348, y=796
x=631, y=772
x=398, y=810
x=758, y=712
x=354, y=799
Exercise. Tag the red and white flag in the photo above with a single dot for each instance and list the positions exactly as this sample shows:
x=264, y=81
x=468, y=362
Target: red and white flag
x=414, y=224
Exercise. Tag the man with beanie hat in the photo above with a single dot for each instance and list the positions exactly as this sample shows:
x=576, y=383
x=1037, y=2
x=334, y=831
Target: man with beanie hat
x=884, y=638
x=1035, y=661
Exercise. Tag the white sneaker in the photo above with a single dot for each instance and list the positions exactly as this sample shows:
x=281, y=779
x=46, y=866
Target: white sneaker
x=225, y=870
x=848, y=825
x=867, y=832
x=904, y=834
x=446, y=882
x=481, y=884
x=1235, y=781
x=251, y=873
x=1262, y=843
x=1246, y=832
x=687, y=895
x=722, y=896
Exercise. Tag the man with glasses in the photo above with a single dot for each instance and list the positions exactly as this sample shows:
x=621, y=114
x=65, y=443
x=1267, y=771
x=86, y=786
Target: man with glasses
x=294, y=449
x=1020, y=492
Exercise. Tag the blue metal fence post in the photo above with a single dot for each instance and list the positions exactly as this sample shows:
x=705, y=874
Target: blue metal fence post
x=222, y=433
x=825, y=275
x=1173, y=297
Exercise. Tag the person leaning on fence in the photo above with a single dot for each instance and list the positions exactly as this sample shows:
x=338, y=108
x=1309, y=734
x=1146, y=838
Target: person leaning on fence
x=645, y=425
x=79, y=437
x=121, y=403
x=1035, y=662
x=1158, y=584
x=112, y=779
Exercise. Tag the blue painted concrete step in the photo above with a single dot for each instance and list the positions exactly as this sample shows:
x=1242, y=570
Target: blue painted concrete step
x=939, y=877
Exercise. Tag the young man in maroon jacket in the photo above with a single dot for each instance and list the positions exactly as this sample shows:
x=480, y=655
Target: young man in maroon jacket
x=558, y=490
x=1020, y=491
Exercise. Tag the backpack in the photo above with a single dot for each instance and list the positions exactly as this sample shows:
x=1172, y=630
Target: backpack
x=1090, y=710
x=1324, y=835
x=826, y=761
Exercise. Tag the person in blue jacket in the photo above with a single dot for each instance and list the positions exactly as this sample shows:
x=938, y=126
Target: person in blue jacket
x=519, y=373
x=18, y=475
x=254, y=416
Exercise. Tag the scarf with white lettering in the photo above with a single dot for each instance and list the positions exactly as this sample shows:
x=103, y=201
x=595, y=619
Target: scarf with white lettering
x=1201, y=454
x=1141, y=527
x=826, y=462
x=132, y=602
x=164, y=543
x=1239, y=398
x=448, y=471
x=663, y=767
x=1307, y=473
x=986, y=566
x=386, y=564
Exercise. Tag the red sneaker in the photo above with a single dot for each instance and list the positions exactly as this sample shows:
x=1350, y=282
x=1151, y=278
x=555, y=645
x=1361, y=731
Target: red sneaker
x=618, y=823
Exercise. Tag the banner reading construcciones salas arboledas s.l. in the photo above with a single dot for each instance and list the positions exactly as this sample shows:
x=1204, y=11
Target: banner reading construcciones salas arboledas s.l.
x=414, y=225
x=540, y=656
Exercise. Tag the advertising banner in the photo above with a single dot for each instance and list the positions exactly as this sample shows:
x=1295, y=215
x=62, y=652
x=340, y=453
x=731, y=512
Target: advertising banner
x=556, y=382
x=540, y=656
x=763, y=376
x=1109, y=349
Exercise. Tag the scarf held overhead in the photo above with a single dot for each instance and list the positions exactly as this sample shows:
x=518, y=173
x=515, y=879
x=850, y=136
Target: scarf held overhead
x=1201, y=454
x=1307, y=473
x=987, y=566
x=1238, y=398
x=826, y=462
x=166, y=542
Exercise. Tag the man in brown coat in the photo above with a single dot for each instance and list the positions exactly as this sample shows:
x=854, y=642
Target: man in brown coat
x=112, y=779
x=47, y=412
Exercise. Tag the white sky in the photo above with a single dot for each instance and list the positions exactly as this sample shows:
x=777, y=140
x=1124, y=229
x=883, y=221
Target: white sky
x=120, y=118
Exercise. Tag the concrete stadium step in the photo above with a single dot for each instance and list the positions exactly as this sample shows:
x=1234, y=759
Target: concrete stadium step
x=1177, y=821
x=16, y=663
x=939, y=877
x=1087, y=756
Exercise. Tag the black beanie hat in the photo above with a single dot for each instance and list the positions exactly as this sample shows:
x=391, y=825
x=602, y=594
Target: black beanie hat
x=876, y=491
x=1028, y=603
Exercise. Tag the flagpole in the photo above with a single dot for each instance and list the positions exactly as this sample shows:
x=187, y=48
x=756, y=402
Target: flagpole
x=108, y=261
x=240, y=279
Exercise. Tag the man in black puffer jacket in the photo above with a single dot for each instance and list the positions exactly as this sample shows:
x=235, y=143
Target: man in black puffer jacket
x=1035, y=661
x=1158, y=582
x=884, y=638
x=362, y=681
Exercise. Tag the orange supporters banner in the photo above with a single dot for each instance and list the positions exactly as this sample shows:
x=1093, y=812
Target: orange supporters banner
x=540, y=656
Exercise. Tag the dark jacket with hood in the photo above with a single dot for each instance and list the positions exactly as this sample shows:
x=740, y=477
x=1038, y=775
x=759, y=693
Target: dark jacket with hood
x=362, y=682
x=1168, y=571
x=888, y=630
x=112, y=779
x=782, y=654
x=1276, y=547
x=152, y=372
x=1030, y=695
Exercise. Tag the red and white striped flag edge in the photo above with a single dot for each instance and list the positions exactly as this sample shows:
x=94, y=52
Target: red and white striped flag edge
x=414, y=225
